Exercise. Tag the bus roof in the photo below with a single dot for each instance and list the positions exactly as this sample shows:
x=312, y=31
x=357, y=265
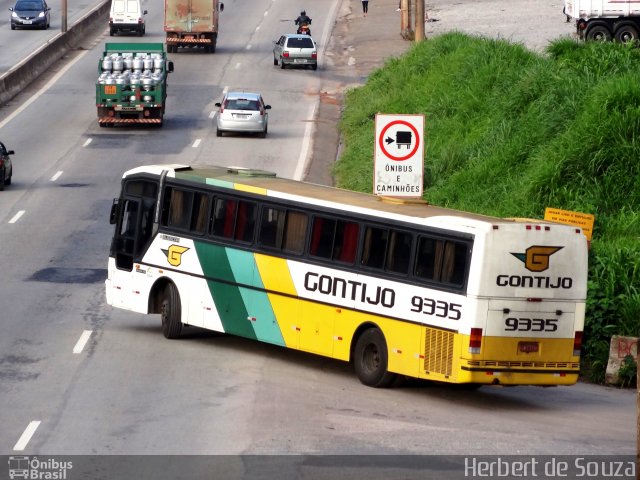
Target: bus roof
x=267, y=183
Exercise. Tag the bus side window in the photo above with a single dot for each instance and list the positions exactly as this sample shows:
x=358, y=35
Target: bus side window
x=442, y=261
x=322, y=234
x=375, y=247
x=399, y=252
x=271, y=227
x=296, y=232
x=223, y=217
x=425, y=258
x=246, y=222
x=346, y=242
x=179, y=208
x=454, y=263
x=200, y=212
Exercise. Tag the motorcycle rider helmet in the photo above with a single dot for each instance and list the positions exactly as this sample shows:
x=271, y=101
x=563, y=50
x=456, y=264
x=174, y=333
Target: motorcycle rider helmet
x=303, y=12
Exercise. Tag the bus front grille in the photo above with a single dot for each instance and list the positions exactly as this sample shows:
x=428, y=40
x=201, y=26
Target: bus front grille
x=438, y=356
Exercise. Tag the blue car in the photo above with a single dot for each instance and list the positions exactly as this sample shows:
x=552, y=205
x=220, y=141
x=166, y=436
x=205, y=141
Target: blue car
x=30, y=14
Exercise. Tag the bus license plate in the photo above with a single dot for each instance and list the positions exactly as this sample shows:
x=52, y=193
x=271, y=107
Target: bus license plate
x=528, y=347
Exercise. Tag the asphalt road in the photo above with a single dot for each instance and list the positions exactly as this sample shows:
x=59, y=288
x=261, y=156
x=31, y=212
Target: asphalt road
x=17, y=44
x=129, y=391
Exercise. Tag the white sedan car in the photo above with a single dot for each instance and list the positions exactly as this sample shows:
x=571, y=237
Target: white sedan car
x=242, y=112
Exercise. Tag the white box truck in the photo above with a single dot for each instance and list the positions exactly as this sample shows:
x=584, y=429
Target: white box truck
x=605, y=20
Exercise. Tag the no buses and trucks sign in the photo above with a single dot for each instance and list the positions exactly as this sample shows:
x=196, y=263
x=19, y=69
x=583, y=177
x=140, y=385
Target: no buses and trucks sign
x=399, y=155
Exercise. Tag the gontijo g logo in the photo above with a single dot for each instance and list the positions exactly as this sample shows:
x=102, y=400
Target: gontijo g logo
x=536, y=258
x=174, y=254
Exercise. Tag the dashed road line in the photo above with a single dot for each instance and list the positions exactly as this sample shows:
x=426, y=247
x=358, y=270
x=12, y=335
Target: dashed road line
x=82, y=341
x=17, y=216
x=26, y=435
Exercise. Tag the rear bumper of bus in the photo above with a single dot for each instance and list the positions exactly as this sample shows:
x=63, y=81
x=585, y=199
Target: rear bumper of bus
x=500, y=360
x=511, y=373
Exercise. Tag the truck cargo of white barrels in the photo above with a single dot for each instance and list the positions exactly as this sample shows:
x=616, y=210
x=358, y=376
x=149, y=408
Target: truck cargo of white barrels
x=604, y=20
x=132, y=84
x=191, y=23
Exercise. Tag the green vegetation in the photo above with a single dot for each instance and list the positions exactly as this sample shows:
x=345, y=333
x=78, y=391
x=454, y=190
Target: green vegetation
x=510, y=132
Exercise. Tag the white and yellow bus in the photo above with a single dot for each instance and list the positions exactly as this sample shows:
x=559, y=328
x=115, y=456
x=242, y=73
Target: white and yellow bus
x=396, y=288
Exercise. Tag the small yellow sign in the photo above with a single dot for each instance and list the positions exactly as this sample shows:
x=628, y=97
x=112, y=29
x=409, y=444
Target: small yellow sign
x=582, y=220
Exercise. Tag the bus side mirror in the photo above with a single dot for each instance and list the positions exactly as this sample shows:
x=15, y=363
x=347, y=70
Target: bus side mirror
x=169, y=67
x=221, y=7
x=114, y=211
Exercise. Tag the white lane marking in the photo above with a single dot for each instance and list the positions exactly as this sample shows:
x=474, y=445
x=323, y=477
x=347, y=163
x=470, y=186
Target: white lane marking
x=248, y=47
x=39, y=93
x=196, y=143
x=87, y=142
x=225, y=90
x=17, y=216
x=266, y=13
x=82, y=341
x=26, y=435
x=257, y=28
x=56, y=176
x=306, y=143
x=212, y=115
x=238, y=65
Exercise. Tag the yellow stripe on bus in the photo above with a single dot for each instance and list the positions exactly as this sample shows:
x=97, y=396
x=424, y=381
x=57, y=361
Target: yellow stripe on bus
x=249, y=188
x=276, y=277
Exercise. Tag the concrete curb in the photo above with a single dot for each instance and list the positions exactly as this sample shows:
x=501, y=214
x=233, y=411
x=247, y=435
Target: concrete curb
x=25, y=72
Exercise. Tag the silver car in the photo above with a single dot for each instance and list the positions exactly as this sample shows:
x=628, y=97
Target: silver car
x=242, y=112
x=294, y=49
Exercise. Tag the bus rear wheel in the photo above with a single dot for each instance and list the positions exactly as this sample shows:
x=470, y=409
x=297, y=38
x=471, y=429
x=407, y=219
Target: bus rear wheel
x=170, y=312
x=370, y=358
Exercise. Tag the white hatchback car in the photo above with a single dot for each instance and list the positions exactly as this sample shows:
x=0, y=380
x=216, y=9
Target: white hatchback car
x=242, y=112
x=295, y=50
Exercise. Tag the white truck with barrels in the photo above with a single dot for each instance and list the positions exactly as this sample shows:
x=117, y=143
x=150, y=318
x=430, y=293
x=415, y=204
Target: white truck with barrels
x=605, y=20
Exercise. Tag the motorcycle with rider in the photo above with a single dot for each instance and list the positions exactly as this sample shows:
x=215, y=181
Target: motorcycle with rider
x=304, y=23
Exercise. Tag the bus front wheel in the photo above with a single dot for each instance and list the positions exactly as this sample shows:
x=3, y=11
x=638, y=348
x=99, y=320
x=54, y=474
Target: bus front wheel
x=170, y=312
x=370, y=359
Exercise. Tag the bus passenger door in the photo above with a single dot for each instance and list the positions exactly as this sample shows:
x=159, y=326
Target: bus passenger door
x=125, y=215
x=126, y=235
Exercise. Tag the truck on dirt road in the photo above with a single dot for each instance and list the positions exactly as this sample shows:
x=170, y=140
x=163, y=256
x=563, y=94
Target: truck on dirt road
x=605, y=20
x=132, y=84
x=192, y=23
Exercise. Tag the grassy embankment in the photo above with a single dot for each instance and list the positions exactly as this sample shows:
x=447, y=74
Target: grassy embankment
x=510, y=132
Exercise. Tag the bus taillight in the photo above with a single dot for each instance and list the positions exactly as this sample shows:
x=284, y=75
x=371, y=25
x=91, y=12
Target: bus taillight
x=475, y=340
x=577, y=344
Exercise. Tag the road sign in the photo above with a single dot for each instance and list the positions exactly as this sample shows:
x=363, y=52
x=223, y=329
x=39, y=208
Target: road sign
x=399, y=155
x=582, y=220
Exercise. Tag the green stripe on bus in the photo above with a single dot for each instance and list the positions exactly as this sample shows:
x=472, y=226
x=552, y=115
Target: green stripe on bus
x=225, y=293
x=258, y=305
x=243, y=311
x=220, y=183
